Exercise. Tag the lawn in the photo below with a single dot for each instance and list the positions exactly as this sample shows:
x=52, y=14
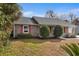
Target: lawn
x=36, y=47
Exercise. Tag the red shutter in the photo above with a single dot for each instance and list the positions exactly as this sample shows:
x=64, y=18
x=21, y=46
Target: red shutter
x=65, y=29
x=21, y=28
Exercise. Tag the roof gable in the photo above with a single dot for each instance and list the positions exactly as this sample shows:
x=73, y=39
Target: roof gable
x=23, y=20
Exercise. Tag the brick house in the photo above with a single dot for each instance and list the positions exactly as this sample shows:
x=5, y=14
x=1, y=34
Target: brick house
x=32, y=25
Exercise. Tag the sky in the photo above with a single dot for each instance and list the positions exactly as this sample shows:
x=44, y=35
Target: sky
x=39, y=9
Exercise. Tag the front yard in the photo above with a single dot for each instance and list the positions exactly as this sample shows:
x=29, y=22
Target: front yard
x=37, y=47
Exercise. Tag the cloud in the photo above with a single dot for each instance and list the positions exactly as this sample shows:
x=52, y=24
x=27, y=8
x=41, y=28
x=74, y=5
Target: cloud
x=65, y=14
x=75, y=10
x=30, y=14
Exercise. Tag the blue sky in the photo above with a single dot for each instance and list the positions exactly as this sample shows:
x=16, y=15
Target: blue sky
x=39, y=9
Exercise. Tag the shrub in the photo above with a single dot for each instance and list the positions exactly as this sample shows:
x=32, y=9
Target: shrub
x=44, y=32
x=24, y=36
x=4, y=38
x=58, y=31
x=72, y=49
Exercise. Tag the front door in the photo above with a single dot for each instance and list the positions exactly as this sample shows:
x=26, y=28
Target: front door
x=51, y=31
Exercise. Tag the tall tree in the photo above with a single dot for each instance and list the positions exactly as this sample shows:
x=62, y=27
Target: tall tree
x=72, y=16
x=50, y=14
x=9, y=12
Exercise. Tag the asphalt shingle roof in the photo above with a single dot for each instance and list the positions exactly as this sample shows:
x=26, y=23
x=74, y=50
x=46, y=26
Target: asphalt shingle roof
x=51, y=21
x=23, y=20
x=42, y=21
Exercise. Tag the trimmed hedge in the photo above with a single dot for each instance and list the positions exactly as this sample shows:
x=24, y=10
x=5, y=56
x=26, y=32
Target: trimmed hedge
x=44, y=32
x=58, y=31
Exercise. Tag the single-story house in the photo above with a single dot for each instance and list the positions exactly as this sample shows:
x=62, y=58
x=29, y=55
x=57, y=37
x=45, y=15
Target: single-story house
x=32, y=25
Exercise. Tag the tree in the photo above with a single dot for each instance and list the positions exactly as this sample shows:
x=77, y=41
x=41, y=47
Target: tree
x=58, y=31
x=44, y=32
x=72, y=49
x=50, y=14
x=9, y=12
x=72, y=16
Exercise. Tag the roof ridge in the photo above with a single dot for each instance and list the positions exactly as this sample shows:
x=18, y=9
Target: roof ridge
x=40, y=17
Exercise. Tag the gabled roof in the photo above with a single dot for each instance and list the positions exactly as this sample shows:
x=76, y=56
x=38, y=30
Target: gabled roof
x=42, y=21
x=23, y=20
x=50, y=21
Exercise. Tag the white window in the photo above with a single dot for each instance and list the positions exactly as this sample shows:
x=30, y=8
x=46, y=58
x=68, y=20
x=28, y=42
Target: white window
x=25, y=28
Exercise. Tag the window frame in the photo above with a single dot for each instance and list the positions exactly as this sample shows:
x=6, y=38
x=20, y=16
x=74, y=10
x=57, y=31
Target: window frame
x=27, y=29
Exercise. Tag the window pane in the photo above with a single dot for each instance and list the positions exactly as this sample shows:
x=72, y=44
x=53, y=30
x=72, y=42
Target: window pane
x=25, y=31
x=25, y=28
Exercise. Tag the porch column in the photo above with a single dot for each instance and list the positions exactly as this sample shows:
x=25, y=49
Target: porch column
x=14, y=31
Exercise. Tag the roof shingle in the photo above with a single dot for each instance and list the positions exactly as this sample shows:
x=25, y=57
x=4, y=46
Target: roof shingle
x=42, y=21
x=23, y=20
x=50, y=21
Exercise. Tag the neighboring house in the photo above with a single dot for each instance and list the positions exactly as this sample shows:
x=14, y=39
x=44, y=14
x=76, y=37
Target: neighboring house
x=32, y=25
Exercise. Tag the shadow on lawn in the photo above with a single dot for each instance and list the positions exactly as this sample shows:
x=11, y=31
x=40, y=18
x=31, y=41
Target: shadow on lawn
x=37, y=41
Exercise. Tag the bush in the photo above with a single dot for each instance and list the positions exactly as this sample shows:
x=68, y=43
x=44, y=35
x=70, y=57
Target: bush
x=4, y=38
x=72, y=49
x=44, y=32
x=24, y=36
x=58, y=31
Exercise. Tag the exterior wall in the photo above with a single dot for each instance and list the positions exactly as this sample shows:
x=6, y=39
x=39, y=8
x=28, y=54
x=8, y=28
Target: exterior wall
x=18, y=29
x=34, y=30
x=77, y=29
x=72, y=30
